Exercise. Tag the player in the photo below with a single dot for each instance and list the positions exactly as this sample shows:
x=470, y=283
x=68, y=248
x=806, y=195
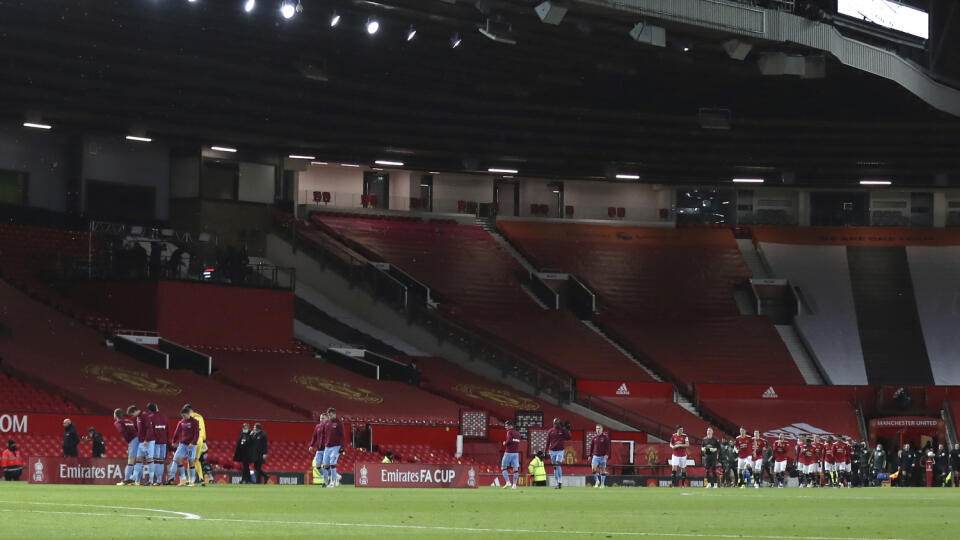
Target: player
x=511, y=455
x=201, y=444
x=185, y=437
x=780, y=449
x=710, y=450
x=161, y=438
x=744, y=457
x=317, y=442
x=808, y=458
x=679, y=442
x=127, y=428
x=556, y=437
x=600, y=450
x=757, y=445
x=332, y=441
x=147, y=443
x=830, y=447
x=844, y=461
x=817, y=461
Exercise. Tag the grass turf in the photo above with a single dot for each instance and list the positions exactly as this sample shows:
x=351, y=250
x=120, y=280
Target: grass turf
x=35, y=512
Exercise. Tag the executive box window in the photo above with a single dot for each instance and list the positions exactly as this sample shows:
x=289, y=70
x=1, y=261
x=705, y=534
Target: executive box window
x=120, y=202
x=13, y=188
x=219, y=180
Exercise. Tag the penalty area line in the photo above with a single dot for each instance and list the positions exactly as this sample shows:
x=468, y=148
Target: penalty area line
x=638, y=534
x=179, y=515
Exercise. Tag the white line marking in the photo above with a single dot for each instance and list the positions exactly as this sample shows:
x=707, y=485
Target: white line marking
x=419, y=527
x=182, y=515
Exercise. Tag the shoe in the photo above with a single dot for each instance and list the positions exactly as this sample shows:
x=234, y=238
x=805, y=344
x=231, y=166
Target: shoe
x=756, y=486
x=596, y=485
x=602, y=486
x=507, y=485
x=182, y=483
x=122, y=483
x=169, y=482
x=190, y=484
x=556, y=486
x=513, y=486
x=560, y=485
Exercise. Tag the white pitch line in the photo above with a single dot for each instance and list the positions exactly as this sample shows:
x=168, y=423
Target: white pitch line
x=418, y=527
x=182, y=515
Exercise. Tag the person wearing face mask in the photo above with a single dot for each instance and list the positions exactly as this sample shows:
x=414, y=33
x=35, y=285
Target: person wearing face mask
x=242, y=454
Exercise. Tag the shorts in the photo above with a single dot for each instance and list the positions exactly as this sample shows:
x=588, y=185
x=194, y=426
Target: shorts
x=678, y=461
x=845, y=467
x=743, y=463
x=810, y=469
x=758, y=464
x=159, y=452
x=556, y=457
x=331, y=455
x=133, y=447
x=830, y=467
x=318, y=459
x=779, y=466
x=511, y=460
x=599, y=461
x=146, y=449
x=709, y=463
x=185, y=451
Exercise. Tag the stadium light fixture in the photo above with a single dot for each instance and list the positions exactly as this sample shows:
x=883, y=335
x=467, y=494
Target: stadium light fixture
x=223, y=149
x=301, y=156
x=318, y=162
x=389, y=163
x=35, y=125
x=628, y=177
x=349, y=165
x=373, y=26
x=502, y=171
x=287, y=9
x=411, y=33
x=875, y=182
x=138, y=138
x=455, y=40
x=434, y=172
x=334, y=19
x=249, y=5
x=748, y=180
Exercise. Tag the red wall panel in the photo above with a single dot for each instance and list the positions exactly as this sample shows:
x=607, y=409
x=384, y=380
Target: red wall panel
x=626, y=388
x=204, y=314
x=131, y=303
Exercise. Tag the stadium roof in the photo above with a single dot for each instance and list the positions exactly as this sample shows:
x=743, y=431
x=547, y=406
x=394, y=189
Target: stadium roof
x=576, y=100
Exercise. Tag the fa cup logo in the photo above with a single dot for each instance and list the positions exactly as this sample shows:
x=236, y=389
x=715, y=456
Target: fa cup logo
x=471, y=477
x=363, y=475
x=38, y=472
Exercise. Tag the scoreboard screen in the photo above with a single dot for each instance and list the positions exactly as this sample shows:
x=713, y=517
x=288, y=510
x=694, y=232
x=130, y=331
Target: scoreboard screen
x=888, y=14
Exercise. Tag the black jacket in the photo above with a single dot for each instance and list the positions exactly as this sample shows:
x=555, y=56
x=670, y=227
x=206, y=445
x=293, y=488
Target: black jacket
x=258, y=445
x=242, y=452
x=99, y=449
x=70, y=440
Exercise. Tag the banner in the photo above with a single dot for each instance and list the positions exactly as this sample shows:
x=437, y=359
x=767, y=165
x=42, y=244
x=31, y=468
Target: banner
x=916, y=430
x=57, y=470
x=776, y=392
x=415, y=475
x=646, y=390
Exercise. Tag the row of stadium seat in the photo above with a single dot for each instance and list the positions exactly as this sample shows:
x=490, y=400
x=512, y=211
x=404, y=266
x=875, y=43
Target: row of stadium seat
x=16, y=395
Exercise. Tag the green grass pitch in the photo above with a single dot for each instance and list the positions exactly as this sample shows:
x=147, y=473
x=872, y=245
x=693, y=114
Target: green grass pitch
x=33, y=512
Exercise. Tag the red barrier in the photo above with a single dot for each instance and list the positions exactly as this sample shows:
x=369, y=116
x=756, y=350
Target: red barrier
x=626, y=389
x=408, y=475
x=776, y=392
x=55, y=470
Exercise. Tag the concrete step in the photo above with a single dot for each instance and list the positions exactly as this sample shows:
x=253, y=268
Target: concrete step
x=623, y=351
x=801, y=356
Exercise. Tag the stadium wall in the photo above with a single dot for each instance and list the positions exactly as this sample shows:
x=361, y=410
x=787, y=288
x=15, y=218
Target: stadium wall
x=196, y=313
x=44, y=157
x=115, y=160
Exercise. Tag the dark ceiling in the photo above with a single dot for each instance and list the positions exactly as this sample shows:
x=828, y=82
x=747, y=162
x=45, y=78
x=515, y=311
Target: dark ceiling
x=575, y=100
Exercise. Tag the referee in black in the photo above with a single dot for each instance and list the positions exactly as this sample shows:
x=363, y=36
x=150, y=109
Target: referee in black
x=710, y=448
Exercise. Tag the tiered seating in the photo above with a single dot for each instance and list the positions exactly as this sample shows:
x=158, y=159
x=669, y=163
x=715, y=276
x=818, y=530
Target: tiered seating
x=501, y=401
x=666, y=293
x=667, y=413
x=53, y=348
x=27, y=250
x=16, y=395
x=310, y=386
x=285, y=456
x=478, y=282
x=422, y=453
x=796, y=410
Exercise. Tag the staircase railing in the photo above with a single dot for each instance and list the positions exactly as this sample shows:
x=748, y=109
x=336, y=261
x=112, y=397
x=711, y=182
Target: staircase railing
x=947, y=414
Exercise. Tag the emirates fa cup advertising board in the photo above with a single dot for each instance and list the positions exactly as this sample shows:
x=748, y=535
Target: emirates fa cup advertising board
x=415, y=475
x=57, y=470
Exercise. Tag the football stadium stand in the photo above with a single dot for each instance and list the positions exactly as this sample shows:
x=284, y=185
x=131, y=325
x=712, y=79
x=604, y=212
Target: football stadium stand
x=667, y=294
x=478, y=282
x=872, y=302
x=50, y=349
x=16, y=395
x=308, y=385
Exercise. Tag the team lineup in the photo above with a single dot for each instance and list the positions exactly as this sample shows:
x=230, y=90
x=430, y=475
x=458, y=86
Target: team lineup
x=147, y=438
